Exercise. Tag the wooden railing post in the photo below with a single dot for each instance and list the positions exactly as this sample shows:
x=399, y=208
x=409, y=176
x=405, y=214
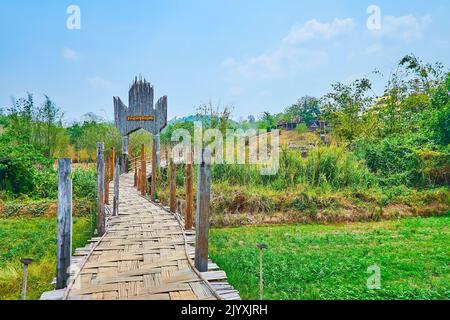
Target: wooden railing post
x=202, y=214
x=157, y=143
x=135, y=173
x=189, y=197
x=143, y=171
x=124, y=168
x=107, y=177
x=101, y=219
x=139, y=186
x=64, y=237
x=111, y=164
x=116, y=190
x=173, y=186
x=153, y=181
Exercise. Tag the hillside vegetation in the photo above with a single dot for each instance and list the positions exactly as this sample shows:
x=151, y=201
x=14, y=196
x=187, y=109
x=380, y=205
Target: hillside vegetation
x=378, y=157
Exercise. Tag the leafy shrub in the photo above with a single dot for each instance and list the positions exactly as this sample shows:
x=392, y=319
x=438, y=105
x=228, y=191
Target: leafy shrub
x=331, y=165
x=302, y=128
x=405, y=159
x=434, y=167
x=84, y=183
x=19, y=167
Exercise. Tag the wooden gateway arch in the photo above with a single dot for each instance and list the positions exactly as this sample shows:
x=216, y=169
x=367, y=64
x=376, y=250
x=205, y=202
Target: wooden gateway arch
x=140, y=114
x=143, y=249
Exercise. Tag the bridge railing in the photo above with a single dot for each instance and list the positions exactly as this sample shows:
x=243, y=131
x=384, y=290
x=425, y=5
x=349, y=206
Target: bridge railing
x=135, y=163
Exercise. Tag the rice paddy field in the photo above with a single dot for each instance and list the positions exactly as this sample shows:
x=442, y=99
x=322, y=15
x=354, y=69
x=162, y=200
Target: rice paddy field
x=33, y=238
x=308, y=261
x=336, y=261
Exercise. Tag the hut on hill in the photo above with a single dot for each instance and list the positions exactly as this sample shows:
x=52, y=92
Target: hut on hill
x=318, y=125
x=288, y=125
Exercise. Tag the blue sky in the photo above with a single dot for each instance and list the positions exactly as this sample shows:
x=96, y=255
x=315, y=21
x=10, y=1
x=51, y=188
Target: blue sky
x=256, y=55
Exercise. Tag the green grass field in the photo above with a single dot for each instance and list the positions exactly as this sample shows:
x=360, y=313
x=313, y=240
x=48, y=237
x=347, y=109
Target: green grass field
x=331, y=261
x=34, y=238
x=302, y=262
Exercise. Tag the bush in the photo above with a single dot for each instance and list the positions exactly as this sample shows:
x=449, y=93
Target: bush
x=24, y=171
x=337, y=167
x=20, y=166
x=84, y=183
x=405, y=159
x=302, y=128
x=330, y=165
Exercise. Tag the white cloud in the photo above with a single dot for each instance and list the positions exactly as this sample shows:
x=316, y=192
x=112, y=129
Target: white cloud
x=314, y=29
x=443, y=43
x=374, y=48
x=281, y=62
x=70, y=54
x=406, y=28
x=236, y=91
x=99, y=83
x=230, y=62
x=289, y=57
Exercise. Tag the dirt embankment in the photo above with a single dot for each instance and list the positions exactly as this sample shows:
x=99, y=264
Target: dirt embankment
x=42, y=208
x=355, y=214
x=237, y=207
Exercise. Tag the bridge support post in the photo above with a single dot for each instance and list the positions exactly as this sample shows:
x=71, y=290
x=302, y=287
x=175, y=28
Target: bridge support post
x=112, y=166
x=154, y=170
x=136, y=174
x=124, y=168
x=189, y=196
x=107, y=177
x=202, y=214
x=139, y=180
x=64, y=237
x=173, y=186
x=143, y=185
x=157, y=141
x=116, y=190
x=101, y=219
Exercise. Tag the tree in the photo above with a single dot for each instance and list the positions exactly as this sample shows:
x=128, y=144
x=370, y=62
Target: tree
x=268, y=121
x=50, y=120
x=437, y=119
x=306, y=109
x=344, y=108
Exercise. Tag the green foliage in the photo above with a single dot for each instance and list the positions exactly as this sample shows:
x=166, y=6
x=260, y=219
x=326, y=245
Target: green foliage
x=436, y=120
x=20, y=167
x=306, y=110
x=343, y=108
x=26, y=207
x=302, y=128
x=268, y=121
x=85, y=183
x=405, y=159
x=39, y=126
x=86, y=135
x=167, y=133
x=337, y=167
x=328, y=165
x=402, y=136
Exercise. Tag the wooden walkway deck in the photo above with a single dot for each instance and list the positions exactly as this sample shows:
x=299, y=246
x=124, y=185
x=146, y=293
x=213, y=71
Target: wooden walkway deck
x=145, y=254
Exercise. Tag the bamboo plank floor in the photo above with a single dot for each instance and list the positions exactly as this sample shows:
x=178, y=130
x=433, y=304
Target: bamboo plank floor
x=143, y=256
